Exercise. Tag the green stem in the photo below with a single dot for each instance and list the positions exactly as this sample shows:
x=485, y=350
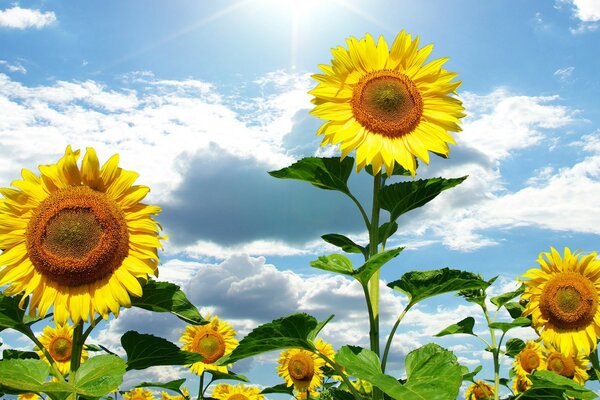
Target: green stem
x=388, y=344
x=595, y=362
x=495, y=351
x=371, y=315
x=55, y=370
x=201, y=387
x=341, y=373
x=361, y=209
x=373, y=285
x=90, y=328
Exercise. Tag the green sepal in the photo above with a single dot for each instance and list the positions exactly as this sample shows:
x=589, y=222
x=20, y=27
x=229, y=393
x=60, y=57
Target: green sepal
x=145, y=351
x=399, y=198
x=419, y=285
x=168, y=297
x=325, y=173
x=464, y=326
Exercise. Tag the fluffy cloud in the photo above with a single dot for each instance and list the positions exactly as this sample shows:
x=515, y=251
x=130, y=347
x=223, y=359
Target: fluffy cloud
x=587, y=10
x=23, y=18
x=13, y=67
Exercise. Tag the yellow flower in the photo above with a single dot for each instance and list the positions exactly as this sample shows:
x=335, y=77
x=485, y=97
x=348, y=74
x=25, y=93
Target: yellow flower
x=303, y=368
x=563, y=300
x=572, y=365
x=386, y=103
x=213, y=341
x=77, y=238
x=139, y=394
x=238, y=392
x=167, y=396
x=59, y=342
x=520, y=383
x=29, y=396
x=529, y=359
x=479, y=390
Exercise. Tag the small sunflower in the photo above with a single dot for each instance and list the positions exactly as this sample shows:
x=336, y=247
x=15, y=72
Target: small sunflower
x=29, y=396
x=563, y=300
x=213, y=341
x=59, y=342
x=479, y=390
x=573, y=365
x=303, y=368
x=520, y=384
x=529, y=359
x=167, y=396
x=238, y=392
x=77, y=238
x=386, y=103
x=139, y=394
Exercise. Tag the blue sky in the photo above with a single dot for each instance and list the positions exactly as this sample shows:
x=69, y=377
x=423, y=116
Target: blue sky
x=203, y=98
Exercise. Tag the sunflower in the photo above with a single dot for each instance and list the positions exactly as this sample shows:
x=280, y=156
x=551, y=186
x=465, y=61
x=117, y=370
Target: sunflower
x=29, y=396
x=520, y=383
x=238, y=392
x=77, y=238
x=479, y=390
x=572, y=365
x=212, y=341
x=167, y=396
x=139, y=394
x=563, y=300
x=386, y=103
x=303, y=368
x=59, y=342
x=530, y=358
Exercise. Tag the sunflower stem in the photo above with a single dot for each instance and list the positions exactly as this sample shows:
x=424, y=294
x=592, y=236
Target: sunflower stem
x=361, y=209
x=90, y=328
x=77, y=347
x=388, y=344
x=201, y=387
x=495, y=351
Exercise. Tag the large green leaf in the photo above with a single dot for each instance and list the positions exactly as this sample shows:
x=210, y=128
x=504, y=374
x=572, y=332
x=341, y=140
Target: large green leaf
x=432, y=372
x=501, y=300
x=514, y=347
x=12, y=316
x=292, y=331
x=373, y=264
x=26, y=375
x=337, y=263
x=515, y=310
x=145, y=351
x=100, y=375
x=343, y=243
x=168, y=297
x=546, y=383
x=282, y=388
x=401, y=197
x=325, y=173
x=506, y=326
x=217, y=376
x=172, y=385
x=419, y=285
x=464, y=326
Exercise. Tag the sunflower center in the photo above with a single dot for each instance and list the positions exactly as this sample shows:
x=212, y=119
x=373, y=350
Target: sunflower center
x=237, y=396
x=77, y=236
x=481, y=392
x=387, y=103
x=569, y=300
x=60, y=349
x=561, y=365
x=211, y=346
x=301, y=368
x=529, y=360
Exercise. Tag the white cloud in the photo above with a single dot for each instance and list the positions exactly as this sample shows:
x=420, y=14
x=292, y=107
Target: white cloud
x=564, y=73
x=13, y=67
x=587, y=10
x=23, y=18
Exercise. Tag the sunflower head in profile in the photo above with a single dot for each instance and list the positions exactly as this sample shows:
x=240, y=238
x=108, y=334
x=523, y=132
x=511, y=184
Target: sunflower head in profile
x=77, y=239
x=563, y=300
x=59, y=342
x=529, y=359
x=479, y=390
x=139, y=394
x=224, y=391
x=571, y=365
x=303, y=368
x=387, y=103
x=520, y=383
x=213, y=341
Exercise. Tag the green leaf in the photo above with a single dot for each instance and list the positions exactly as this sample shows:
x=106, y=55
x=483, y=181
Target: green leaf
x=92, y=347
x=337, y=263
x=464, y=326
x=292, y=331
x=23, y=355
x=313, y=334
x=432, y=372
x=12, y=316
x=343, y=242
x=217, y=375
x=325, y=173
x=469, y=375
x=506, y=326
x=172, y=385
x=514, y=309
x=383, y=234
x=145, y=351
x=27, y=375
x=100, y=375
x=167, y=297
x=419, y=285
x=399, y=198
x=499, y=301
x=398, y=170
x=282, y=388
x=545, y=382
x=476, y=295
x=373, y=264
x=514, y=347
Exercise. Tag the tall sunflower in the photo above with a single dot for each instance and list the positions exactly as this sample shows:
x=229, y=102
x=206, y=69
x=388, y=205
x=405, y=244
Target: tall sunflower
x=303, y=368
x=563, y=300
x=479, y=390
x=59, y=343
x=139, y=394
x=571, y=365
x=224, y=391
x=387, y=103
x=212, y=341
